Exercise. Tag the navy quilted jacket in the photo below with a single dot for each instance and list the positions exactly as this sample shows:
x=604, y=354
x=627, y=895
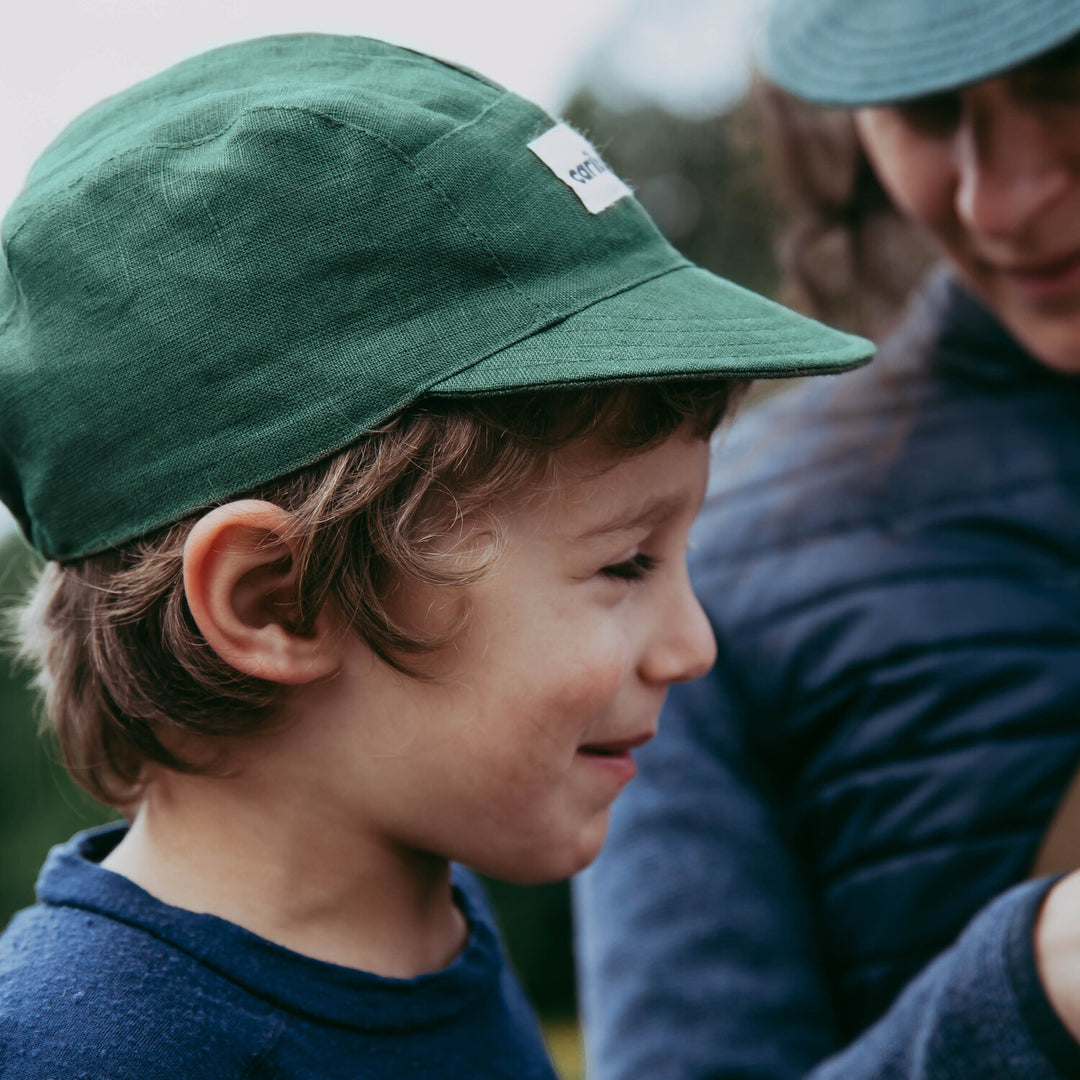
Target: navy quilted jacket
x=891, y=562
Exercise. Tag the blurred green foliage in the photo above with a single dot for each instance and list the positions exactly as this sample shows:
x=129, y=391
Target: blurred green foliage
x=39, y=806
x=537, y=931
x=564, y=1044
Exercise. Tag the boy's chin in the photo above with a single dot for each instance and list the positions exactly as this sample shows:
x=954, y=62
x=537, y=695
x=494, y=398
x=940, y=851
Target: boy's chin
x=556, y=863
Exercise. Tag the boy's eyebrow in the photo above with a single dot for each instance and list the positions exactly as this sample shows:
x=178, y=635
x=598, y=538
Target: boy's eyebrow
x=647, y=516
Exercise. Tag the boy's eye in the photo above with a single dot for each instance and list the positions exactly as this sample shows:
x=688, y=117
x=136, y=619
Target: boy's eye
x=631, y=569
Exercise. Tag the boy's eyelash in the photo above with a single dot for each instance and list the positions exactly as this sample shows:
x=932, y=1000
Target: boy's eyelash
x=632, y=569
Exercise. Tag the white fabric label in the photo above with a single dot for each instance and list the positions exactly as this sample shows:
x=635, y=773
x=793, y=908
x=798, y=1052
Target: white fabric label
x=572, y=158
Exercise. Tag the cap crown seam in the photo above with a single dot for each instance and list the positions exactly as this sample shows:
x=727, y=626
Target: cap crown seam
x=427, y=180
x=504, y=96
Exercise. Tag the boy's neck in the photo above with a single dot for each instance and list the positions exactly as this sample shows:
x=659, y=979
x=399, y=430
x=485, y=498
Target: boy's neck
x=292, y=879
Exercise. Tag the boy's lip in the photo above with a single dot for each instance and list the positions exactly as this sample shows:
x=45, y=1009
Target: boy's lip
x=615, y=747
x=613, y=759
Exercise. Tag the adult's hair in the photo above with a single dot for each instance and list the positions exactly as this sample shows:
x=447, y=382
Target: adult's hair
x=848, y=257
x=123, y=664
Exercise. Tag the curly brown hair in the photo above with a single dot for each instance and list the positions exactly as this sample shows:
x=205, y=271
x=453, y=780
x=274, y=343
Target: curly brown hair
x=122, y=662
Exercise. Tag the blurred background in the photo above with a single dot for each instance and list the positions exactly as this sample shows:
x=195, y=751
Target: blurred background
x=660, y=88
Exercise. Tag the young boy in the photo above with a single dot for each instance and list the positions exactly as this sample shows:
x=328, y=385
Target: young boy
x=362, y=415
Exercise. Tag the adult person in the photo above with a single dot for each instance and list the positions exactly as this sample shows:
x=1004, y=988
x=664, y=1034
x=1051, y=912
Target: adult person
x=821, y=869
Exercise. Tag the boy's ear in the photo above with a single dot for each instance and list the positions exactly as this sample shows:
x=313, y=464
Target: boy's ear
x=239, y=580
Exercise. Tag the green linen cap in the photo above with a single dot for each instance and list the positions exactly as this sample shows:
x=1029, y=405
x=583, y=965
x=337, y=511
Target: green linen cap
x=872, y=52
x=236, y=268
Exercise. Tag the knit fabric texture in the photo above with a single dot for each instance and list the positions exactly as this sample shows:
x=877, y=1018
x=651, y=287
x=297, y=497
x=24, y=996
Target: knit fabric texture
x=100, y=981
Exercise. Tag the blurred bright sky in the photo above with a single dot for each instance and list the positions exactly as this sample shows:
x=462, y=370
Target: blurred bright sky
x=61, y=56
x=691, y=56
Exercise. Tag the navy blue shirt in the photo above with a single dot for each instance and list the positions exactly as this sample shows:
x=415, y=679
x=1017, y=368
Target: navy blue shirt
x=890, y=560
x=100, y=981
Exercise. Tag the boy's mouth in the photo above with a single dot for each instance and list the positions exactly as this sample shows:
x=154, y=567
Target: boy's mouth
x=615, y=748
x=613, y=759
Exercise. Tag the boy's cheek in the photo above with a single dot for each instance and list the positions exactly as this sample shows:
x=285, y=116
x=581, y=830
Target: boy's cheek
x=589, y=669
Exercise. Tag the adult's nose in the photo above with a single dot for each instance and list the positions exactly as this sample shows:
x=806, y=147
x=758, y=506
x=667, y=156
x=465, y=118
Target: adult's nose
x=1010, y=164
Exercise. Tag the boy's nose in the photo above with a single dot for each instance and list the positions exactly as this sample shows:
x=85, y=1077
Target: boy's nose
x=684, y=647
x=1009, y=165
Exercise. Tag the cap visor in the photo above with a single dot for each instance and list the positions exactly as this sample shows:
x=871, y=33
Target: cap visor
x=685, y=323
x=877, y=52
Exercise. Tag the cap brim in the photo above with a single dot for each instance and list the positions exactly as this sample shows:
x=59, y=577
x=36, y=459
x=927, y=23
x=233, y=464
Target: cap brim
x=685, y=323
x=876, y=52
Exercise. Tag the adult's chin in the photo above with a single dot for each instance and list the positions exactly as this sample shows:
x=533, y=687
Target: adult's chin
x=1052, y=338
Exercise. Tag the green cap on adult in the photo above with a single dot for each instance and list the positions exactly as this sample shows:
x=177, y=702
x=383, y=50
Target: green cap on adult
x=872, y=52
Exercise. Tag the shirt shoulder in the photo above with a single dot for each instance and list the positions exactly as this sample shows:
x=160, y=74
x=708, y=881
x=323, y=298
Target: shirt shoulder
x=85, y=995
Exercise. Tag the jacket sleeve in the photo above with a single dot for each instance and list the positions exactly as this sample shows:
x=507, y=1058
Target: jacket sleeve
x=698, y=956
x=977, y=1010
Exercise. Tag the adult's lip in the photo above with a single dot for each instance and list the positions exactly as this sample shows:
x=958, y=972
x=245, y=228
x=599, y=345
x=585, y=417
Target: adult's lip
x=1042, y=268
x=1044, y=281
